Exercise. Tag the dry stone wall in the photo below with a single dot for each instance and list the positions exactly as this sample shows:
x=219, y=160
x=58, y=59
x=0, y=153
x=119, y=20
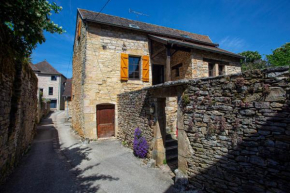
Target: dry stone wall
x=134, y=112
x=18, y=112
x=238, y=131
x=234, y=131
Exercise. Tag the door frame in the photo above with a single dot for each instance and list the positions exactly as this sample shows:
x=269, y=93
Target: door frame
x=103, y=106
x=162, y=72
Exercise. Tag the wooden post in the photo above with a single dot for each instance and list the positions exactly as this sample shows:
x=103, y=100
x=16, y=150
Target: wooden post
x=167, y=67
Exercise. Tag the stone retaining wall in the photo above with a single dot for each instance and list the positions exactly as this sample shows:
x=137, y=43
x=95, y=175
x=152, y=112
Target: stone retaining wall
x=18, y=108
x=233, y=130
x=238, y=129
x=133, y=111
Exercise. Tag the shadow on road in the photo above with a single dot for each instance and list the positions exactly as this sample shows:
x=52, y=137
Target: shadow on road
x=74, y=156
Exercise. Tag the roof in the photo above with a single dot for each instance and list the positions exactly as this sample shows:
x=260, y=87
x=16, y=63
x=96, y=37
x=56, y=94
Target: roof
x=68, y=88
x=102, y=18
x=45, y=68
x=171, y=41
x=34, y=68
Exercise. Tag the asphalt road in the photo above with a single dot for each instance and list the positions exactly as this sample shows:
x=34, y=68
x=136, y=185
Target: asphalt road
x=59, y=162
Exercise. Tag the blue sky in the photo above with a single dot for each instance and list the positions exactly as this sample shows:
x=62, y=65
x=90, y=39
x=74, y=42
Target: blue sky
x=237, y=25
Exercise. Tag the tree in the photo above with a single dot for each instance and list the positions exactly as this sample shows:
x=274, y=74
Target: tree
x=25, y=21
x=253, y=60
x=280, y=56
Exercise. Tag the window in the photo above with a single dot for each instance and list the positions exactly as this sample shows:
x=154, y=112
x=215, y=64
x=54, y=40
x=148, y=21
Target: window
x=53, y=78
x=50, y=91
x=177, y=69
x=134, y=67
x=210, y=69
x=41, y=90
x=177, y=72
x=221, y=69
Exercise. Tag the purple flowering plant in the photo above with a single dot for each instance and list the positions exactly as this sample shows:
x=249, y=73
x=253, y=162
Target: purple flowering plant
x=140, y=144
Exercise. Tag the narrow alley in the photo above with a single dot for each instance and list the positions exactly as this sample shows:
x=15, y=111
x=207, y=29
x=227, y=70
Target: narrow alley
x=59, y=162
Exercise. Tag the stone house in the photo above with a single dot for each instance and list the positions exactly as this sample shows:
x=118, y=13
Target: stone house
x=50, y=84
x=113, y=55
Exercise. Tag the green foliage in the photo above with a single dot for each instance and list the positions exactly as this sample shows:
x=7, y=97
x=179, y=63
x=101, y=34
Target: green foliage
x=25, y=22
x=185, y=100
x=253, y=60
x=280, y=56
x=45, y=100
x=251, y=56
x=164, y=162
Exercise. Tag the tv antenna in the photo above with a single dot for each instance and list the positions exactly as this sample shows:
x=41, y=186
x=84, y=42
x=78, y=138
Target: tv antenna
x=138, y=13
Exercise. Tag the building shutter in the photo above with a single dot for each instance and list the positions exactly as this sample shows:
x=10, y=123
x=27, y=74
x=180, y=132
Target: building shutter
x=79, y=28
x=145, y=68
x=124, y=66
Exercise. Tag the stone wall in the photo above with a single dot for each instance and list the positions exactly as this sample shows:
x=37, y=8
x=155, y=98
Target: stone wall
x=68, y=108
x=184, y=58
x=200, y=66
x=18, y=108
x=102, y=83
x=43, y=108
x=79, y=62
x=171, y=115
x=237, y=131
x=134, y=112
x=233, y=130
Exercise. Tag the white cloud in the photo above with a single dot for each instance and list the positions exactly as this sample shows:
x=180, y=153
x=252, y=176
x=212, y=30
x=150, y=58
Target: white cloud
x=232, y=44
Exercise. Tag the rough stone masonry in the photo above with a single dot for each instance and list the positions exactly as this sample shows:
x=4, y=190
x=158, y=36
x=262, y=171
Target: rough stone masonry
x=235, y=131
x=18, y=107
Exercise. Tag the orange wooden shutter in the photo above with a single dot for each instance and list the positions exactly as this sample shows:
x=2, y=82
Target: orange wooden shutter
x=124, y=66
x=145, y=68
x=79, y=28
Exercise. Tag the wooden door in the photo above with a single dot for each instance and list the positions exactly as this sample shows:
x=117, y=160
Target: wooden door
x=106, y=120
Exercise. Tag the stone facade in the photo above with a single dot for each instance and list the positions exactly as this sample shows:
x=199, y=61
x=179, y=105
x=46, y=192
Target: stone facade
x=171, y=115
x=233, y=130
x=68, y=108
x=79, y=61
x=97, y=69
x=195, y=63
x=18, y=108
x=101, y=72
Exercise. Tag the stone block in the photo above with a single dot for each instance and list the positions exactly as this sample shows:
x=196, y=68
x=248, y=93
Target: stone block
x=276, y=94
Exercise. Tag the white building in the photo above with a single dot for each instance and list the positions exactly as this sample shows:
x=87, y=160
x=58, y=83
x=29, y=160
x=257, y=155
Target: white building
x=50, y=83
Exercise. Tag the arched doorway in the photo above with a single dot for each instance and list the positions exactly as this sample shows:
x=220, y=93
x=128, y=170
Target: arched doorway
x=105, y=120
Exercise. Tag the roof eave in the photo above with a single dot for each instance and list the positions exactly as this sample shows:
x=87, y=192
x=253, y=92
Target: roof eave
x=170, y=42
x=205, y=49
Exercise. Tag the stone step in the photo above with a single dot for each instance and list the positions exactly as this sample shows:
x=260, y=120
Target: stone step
x=171, y=157
x=173, y=147
x=170, y=142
